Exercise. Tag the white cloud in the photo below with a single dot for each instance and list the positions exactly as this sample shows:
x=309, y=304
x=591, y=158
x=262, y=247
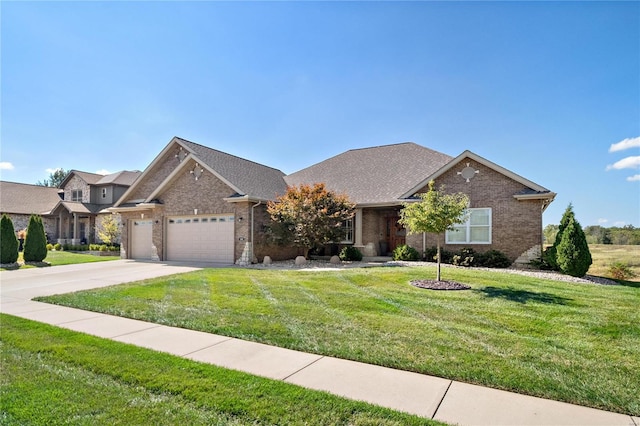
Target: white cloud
x=52, y=171
x=634, y=178
x=620, y=223
x=103, y=172
x=625, y=144
x=602, y=221
x=5, y=165
x=626, y=163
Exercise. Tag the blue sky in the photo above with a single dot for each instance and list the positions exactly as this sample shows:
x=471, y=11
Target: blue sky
x=549, y=90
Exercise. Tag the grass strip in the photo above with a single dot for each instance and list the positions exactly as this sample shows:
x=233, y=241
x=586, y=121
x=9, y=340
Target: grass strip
x=56, y=376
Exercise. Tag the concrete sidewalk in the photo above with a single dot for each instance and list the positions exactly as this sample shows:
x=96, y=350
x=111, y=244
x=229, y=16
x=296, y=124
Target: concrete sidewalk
x=430, y=397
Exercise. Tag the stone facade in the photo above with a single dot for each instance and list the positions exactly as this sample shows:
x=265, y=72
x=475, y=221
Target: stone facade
x=21, y=221
x=77, y=184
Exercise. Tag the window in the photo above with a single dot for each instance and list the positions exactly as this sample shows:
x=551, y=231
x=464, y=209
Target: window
x=476, y=230
x=347, y=228
x=76, y=195
x=104, y=192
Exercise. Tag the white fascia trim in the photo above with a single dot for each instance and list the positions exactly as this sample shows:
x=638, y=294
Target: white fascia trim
x=182, y=166
x=171, y=145
x=484, y=162
x=544, y=196
x=136, y=208
x=246, y=198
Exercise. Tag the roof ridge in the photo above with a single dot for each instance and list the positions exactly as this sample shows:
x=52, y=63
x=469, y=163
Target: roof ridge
x=29, y=184
x=230, y=155
x=384, y=146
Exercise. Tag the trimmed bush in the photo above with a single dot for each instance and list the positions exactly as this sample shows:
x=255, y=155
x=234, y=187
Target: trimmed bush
x=35, y=245
x=404, y=252
x=49, y=247
x=57, y=247
x=492, y=259
x=8, y=241
x=350, y=253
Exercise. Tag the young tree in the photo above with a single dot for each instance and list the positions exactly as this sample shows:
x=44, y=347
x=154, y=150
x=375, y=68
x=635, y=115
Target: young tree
x=108, y=229
x=309, y=216
x=55, y=178
x=8, y=241
x=35, y=244
x=573, y=256
x=436, y=213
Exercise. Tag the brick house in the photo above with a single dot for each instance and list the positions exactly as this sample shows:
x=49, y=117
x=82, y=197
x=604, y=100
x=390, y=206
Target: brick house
x=196, y=203
x=69, y=213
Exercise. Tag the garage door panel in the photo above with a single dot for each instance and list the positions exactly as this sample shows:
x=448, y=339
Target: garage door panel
x=202, y=238
x=141, y=239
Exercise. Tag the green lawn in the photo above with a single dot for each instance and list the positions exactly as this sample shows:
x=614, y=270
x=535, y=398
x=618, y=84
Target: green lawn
x=52, y=376
x=56, y=258
x=578, y=343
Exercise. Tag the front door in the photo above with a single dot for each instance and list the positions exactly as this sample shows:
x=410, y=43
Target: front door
x=395, y=234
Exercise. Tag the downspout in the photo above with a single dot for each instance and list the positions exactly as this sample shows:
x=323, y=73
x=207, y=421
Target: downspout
x=252, y=220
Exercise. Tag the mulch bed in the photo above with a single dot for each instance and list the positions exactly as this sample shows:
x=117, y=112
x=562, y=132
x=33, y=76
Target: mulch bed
x=439, y=285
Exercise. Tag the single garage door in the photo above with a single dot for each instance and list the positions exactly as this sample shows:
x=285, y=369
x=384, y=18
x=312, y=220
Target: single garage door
x=201, y=238
x=141, y=240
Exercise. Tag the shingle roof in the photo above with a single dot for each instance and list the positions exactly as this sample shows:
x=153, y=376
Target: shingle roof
x=90, y=178
x=23, y=198
x=252, y=179
x=376, y=175
x=125, y=178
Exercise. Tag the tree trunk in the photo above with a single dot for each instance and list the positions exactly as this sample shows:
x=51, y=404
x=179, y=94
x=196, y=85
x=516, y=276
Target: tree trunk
x=438, y=256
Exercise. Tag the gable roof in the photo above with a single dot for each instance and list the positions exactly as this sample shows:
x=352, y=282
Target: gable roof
x=534, y=190
x=124, y=178
x=377, y=175
x=22, y=198
x=90, y=178
x=252, y=179
x=247, y=178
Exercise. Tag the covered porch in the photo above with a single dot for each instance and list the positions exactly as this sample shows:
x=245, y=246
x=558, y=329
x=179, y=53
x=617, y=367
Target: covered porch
x=75, y=222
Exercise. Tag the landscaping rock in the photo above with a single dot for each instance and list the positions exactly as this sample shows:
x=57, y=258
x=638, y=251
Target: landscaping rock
x=301, y=260
x=267, y=260
x=335, y=260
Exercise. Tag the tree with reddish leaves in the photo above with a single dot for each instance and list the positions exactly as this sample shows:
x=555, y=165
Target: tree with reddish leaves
x=309, y=216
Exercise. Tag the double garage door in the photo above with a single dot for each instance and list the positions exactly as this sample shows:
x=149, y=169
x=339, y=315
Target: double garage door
x=202, y=238
x=207, y=238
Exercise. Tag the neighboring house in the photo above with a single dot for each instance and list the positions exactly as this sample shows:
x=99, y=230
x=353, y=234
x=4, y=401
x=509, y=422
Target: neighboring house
x=196, y=203
x=20, y=200
x=69, y=212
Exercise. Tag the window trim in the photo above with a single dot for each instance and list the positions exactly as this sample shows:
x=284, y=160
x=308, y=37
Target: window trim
x=104, y=192
x=76, y=195
x=467, y=226
x=348, y=228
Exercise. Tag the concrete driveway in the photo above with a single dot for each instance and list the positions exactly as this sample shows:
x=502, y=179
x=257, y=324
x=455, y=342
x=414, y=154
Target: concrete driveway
x=24, y=284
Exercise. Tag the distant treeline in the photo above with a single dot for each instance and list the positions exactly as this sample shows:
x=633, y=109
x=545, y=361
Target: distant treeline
x=626, y=235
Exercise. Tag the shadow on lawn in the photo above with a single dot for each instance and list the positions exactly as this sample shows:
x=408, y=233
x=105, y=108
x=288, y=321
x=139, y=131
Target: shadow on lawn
x=523, y=296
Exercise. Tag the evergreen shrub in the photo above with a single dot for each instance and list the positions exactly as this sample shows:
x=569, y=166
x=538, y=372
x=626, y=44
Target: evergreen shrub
x=8, y=241
x=35, y=245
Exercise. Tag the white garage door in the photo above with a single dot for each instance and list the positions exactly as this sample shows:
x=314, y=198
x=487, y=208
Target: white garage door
x=201, y=238
x=141, y=241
